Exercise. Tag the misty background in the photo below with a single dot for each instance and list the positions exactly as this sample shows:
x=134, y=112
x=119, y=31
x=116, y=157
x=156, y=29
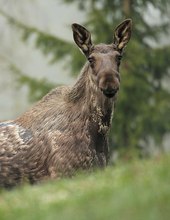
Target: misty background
x=49, y=16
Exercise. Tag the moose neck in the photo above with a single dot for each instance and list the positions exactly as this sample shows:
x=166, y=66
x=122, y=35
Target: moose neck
x=92, y=101
x=83, y=102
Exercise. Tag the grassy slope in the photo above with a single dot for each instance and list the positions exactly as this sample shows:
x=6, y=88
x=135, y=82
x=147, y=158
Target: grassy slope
x=136, y=191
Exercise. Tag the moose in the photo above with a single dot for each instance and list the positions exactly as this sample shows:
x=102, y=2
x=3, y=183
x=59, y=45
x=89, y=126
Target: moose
x=67, y=130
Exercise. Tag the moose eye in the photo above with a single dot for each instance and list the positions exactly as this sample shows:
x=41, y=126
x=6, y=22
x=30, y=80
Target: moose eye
x=91, y=60
x=118, y=58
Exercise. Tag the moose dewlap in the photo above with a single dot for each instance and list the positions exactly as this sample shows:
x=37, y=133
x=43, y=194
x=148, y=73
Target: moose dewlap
x=67, y=130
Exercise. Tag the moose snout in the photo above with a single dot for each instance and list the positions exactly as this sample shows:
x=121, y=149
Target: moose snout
x=109, y=85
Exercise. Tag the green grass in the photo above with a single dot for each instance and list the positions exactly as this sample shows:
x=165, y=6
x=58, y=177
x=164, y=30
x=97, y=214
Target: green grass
x=135, y=191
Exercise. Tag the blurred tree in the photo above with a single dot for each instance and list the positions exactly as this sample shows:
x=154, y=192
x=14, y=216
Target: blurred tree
x=37, y=87
x=143, y=107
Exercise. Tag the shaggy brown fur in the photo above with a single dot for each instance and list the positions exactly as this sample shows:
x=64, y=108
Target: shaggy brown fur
x=67, y=130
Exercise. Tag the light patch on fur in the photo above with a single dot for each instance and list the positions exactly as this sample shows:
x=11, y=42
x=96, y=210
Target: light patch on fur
x=25, y=135
x=6, y=123
x=52, y=136
x=120, y=46
x=13, y=138
x=97, y=118
x=84, y=47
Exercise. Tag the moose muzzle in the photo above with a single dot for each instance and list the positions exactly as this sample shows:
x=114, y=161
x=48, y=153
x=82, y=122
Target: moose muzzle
x=110, y=93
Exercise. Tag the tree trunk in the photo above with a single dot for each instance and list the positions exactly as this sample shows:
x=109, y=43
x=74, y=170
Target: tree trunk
x=127, y=7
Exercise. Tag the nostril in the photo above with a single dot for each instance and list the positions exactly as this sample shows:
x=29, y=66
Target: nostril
x=110, y=92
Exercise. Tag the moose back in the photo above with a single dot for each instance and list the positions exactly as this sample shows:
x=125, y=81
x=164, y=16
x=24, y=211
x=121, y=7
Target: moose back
x=67, y=130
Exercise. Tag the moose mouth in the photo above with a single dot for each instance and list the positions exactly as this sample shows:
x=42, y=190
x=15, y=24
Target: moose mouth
x=110, y=93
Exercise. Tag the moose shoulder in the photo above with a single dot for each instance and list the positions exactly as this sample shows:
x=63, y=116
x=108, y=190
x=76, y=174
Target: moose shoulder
x=67, y=130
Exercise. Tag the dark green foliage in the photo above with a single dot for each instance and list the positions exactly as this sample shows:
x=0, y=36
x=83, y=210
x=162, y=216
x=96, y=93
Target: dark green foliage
x=142, y=111
x=143, y=106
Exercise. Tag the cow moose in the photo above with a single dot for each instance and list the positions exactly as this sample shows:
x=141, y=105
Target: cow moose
x=67, y=130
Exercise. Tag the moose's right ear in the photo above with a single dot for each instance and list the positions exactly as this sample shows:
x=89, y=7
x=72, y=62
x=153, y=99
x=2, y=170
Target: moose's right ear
x=82, y=38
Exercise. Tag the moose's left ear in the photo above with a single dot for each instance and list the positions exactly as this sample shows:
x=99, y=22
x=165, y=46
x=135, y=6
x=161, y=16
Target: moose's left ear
x=82, y=38
x=122, y=34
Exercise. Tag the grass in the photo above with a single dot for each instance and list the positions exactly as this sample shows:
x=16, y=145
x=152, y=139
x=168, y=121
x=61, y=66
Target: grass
x=136, y=191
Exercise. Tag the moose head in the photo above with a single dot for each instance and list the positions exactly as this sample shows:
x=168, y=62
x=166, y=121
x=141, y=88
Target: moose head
x=104, y=59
